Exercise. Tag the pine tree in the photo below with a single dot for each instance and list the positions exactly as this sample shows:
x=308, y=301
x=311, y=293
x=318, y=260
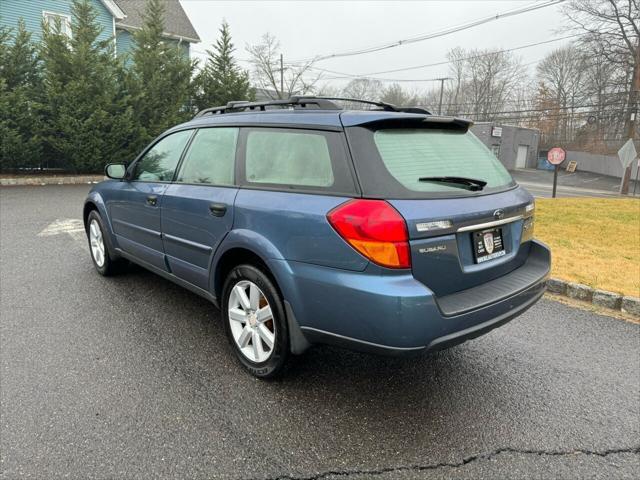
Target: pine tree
x=89, y=122
x=221, y=80
x=159, y=77
x=20, y=89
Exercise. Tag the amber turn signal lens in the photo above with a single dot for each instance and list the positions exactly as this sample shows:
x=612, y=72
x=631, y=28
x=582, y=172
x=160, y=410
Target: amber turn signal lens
x=375, y=229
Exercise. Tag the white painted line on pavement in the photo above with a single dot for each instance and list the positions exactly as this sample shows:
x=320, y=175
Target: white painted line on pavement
x=567, y=189
x=60, y=226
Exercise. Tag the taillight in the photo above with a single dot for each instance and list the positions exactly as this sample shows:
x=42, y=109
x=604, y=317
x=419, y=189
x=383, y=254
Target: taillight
x=375, y=229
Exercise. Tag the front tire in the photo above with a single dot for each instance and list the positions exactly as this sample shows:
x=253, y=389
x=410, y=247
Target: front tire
x=103, y=259
x=255, y=321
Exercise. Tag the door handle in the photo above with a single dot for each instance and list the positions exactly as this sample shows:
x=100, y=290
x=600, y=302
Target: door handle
x=218, y=209
x=152, y=200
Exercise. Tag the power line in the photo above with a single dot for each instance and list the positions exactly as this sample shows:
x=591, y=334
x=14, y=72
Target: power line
x=439, y=33
x=511, y=118
x=590, y=106
x=445, y=62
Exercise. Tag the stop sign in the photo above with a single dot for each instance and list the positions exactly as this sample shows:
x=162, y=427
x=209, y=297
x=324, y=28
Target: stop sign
x=555, y=156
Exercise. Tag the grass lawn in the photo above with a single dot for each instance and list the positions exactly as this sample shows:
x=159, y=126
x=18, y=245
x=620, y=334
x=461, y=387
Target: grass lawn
x=593, y=241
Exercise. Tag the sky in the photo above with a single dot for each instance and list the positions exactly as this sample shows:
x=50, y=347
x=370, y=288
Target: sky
x=311, y=28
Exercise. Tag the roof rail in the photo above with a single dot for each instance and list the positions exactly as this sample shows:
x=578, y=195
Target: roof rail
x=301, y=102
x=388, y=107
x=293, y=102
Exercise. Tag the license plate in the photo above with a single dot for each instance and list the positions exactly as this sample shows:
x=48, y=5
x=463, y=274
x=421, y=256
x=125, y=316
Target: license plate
x=487, y=244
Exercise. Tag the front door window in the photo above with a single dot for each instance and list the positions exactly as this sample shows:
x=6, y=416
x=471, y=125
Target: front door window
x=159, y=163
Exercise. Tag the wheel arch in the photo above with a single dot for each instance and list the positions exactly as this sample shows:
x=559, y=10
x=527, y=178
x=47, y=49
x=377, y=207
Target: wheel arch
x=250, y=247
x=95, y=202
x=88, y=207
x=236, y=256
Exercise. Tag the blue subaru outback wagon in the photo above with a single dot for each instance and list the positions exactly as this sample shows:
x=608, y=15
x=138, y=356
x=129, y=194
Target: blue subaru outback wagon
x=387, y=230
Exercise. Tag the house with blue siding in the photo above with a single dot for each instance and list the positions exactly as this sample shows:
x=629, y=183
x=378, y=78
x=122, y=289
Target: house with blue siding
x=119, y=19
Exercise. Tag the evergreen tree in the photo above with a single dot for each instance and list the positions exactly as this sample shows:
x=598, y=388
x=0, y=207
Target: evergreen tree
x=159, y=77
x=221, y=80
x=20, y=87
x=89, y=121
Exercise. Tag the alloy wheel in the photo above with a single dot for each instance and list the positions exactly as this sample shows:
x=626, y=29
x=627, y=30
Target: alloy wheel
x=97, y=243
x=251, y=321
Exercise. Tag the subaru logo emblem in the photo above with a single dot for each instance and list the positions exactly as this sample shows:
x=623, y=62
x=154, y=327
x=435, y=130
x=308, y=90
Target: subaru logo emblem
x=498, y=214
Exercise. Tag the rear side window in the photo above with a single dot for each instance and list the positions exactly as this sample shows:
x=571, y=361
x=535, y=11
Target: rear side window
x=292, y=159
x=159, y=163
x=391, y=161
x=211, y=157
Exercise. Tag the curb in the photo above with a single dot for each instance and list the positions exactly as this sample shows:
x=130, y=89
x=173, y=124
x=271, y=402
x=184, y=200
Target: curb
x=52, y=180
x=600, y=298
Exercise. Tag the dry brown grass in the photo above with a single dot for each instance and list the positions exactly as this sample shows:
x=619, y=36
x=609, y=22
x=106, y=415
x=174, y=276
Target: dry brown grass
x=593, y=241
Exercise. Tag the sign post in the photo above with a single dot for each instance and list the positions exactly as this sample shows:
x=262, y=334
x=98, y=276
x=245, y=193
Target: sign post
x=555, y=157
x=627, y=154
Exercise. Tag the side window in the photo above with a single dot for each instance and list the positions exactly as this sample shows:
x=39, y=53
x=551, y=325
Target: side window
x=287, y=157
x=211, y=157
x=58, y=23
x=159, y=163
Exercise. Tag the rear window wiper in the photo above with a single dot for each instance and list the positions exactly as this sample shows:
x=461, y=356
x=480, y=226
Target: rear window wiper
x=472, y=184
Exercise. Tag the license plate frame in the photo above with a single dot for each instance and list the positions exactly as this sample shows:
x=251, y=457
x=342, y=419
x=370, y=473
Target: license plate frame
x=488, y=244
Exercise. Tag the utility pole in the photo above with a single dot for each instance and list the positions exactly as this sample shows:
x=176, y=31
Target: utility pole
x=281, y=77
x=633, y=117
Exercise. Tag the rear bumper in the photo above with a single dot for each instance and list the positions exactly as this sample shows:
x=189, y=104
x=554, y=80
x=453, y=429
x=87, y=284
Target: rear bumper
x=398, y=315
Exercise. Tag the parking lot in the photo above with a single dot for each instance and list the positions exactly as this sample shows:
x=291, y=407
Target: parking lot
x=132, y=376
x=573, y=184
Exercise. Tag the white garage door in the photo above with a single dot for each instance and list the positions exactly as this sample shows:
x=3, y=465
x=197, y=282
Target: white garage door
x=521, y=159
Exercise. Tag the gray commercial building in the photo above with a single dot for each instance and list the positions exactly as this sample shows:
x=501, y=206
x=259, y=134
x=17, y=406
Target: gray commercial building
x=516, y=147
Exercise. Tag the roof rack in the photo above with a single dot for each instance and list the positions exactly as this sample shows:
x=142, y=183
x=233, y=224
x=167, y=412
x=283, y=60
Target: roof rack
x=302, y=102
x=293, y=102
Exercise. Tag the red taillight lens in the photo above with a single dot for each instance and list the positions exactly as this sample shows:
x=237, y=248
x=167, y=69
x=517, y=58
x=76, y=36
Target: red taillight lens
x=375, y=229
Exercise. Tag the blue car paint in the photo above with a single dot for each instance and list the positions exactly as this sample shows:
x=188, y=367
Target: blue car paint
x=136, y=223
x=297, y=224
x=332, y=293
x=391, y=311
x=190, y=233
x=454, y=264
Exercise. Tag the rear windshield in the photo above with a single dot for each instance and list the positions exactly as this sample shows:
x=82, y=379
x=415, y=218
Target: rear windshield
x=404, y=155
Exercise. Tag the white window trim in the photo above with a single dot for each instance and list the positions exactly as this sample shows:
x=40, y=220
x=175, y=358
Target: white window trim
x=48, y=13
x=115, y=40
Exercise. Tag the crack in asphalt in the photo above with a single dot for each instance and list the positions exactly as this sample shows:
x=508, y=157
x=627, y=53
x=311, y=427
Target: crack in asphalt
x=463, y=462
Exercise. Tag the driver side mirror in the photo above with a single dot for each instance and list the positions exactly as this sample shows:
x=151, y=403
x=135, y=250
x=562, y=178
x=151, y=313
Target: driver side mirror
x=116, y=171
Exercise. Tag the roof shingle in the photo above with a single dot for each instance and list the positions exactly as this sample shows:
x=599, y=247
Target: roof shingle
x=176, y=22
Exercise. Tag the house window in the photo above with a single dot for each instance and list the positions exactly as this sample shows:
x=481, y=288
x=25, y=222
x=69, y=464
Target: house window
x=51, y=20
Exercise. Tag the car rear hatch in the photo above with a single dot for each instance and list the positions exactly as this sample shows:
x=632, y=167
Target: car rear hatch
x=459, y=243
x=461, y=234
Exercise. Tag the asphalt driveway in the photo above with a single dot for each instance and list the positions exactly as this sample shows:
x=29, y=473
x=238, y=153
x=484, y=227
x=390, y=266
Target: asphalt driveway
x=131, y=377
x=576, y=184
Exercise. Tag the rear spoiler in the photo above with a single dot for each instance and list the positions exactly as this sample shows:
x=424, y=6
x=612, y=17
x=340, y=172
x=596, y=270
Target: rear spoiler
x=406, y=120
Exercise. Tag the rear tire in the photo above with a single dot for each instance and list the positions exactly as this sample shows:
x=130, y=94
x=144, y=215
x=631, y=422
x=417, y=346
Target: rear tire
x=105, y=262
x=255, y=321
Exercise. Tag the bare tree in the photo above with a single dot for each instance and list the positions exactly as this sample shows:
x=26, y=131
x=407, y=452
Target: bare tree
x=492, y=79
x=482, y=84
x=457, y=71
x=363, y=89
x=329, y=90
x=612, y=28
x=605, y=91
x=612, y=24
x=276, y=80
x=395, y=94
x=562, y=72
